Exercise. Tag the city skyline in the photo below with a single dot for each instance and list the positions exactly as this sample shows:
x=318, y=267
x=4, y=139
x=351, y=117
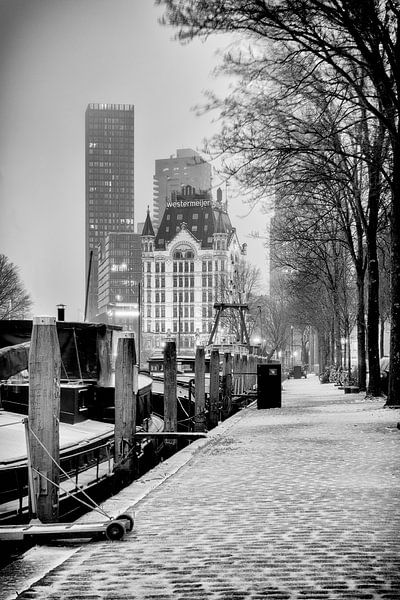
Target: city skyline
x=56, y=58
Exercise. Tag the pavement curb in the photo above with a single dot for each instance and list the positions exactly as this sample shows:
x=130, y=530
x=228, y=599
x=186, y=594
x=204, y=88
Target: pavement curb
x=130, y=496
x=39, y=561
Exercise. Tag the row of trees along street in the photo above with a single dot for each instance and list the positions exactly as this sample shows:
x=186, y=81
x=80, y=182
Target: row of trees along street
x=313, y=119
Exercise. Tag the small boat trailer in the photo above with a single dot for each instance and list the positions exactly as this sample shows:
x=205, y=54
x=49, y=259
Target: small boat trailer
x=114, y=529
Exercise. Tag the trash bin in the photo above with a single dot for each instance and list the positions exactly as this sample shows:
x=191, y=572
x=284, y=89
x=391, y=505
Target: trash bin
x=269, y=386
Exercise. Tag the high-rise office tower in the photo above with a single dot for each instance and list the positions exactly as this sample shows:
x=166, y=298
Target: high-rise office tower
x=175, y=172
x=120, y=276
x=109, y=153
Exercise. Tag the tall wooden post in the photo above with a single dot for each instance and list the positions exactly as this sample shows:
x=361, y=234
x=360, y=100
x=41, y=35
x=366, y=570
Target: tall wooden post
x=126, y=387
x=250, y=367
x=245, y=371
x=199, y=382
x=236, y=371
x=253, y=371
x=44, y=414
x=170, y=395
x=214, y=388
x=242, y=370
x=104, y=356
x=240, y=383
x=227, y=385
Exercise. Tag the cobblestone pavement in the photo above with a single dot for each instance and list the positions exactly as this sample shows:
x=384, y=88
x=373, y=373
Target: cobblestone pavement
x=297, y=503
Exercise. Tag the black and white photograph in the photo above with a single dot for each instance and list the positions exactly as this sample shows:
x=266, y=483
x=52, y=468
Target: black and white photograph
x=199, y=299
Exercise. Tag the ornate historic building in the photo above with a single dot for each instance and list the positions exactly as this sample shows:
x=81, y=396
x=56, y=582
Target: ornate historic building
x=187, y=265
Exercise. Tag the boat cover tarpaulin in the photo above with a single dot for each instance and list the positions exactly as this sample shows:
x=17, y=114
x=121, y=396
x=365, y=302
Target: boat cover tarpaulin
x=13, y=359
x=78, y=344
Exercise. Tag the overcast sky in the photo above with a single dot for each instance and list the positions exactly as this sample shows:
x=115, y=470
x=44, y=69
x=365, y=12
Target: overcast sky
x=56, y=56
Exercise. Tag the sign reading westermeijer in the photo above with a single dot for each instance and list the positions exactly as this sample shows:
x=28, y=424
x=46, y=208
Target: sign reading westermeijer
x=188, y=203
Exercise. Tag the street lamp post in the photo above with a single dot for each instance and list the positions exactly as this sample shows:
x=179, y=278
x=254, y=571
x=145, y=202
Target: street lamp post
x=291, y=346
x=261, y=329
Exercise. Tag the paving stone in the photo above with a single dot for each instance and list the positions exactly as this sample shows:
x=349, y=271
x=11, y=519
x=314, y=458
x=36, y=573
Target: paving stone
x=283, y=504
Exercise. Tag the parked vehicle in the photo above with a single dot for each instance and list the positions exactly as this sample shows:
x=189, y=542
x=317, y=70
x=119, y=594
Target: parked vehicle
x=297, y=372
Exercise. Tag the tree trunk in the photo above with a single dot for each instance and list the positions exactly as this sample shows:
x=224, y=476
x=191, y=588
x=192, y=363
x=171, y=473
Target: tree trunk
x=361, y=350
x=393, y=398
x=374, y=383
x=382, y=337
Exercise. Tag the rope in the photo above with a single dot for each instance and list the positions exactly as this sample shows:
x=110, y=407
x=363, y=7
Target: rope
x=105, y=445
x=65, y=370
x=64, y=472
x=181, y=405
x=185, y=420
x=12, y=423
x=93, y=506
x=77, y=355
x=124, y=458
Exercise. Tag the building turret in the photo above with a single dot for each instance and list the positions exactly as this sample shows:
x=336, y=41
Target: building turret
x=148, y=230
x=148, y=234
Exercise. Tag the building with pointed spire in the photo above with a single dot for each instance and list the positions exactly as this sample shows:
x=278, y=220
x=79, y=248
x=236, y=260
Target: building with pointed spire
x=187, y=265
x=148, y=231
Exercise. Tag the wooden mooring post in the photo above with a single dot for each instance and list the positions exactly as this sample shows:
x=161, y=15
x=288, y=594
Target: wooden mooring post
x=214, y=388
x=200, y=397
x=44, y=414
x=236, y=374
x=126, y=388
x=170, y=391
x=226, y=385
x=245, y=386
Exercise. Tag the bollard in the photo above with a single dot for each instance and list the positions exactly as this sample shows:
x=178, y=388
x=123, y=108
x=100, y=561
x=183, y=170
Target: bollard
x=236, y=374
x=227, y=385
x=44, y=414
x=126, y=387
x=245, y=367
x=199, y=382
x=214, y=388
x=170, y=391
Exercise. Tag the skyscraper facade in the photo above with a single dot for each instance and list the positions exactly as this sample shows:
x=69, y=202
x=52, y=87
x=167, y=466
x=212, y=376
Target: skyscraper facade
x=175, y=172
x=120, y=275
x=109, y=154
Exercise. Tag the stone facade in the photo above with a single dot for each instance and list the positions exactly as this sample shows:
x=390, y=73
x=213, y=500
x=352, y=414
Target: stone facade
x=187, y=266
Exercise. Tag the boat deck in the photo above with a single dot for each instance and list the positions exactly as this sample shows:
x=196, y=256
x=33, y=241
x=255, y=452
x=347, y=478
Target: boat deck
x=13, y=444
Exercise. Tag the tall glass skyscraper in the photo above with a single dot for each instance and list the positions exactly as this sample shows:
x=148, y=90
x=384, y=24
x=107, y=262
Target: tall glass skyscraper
x=109, y=154
x=174, y=173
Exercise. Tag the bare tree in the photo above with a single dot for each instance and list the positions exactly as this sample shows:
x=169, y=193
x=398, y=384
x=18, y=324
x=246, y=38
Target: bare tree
x=15, y=302
x=239, y=287
x=358, y=42
x=275, y=319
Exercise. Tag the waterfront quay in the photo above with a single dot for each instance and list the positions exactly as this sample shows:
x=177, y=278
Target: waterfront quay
x=292, y=503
